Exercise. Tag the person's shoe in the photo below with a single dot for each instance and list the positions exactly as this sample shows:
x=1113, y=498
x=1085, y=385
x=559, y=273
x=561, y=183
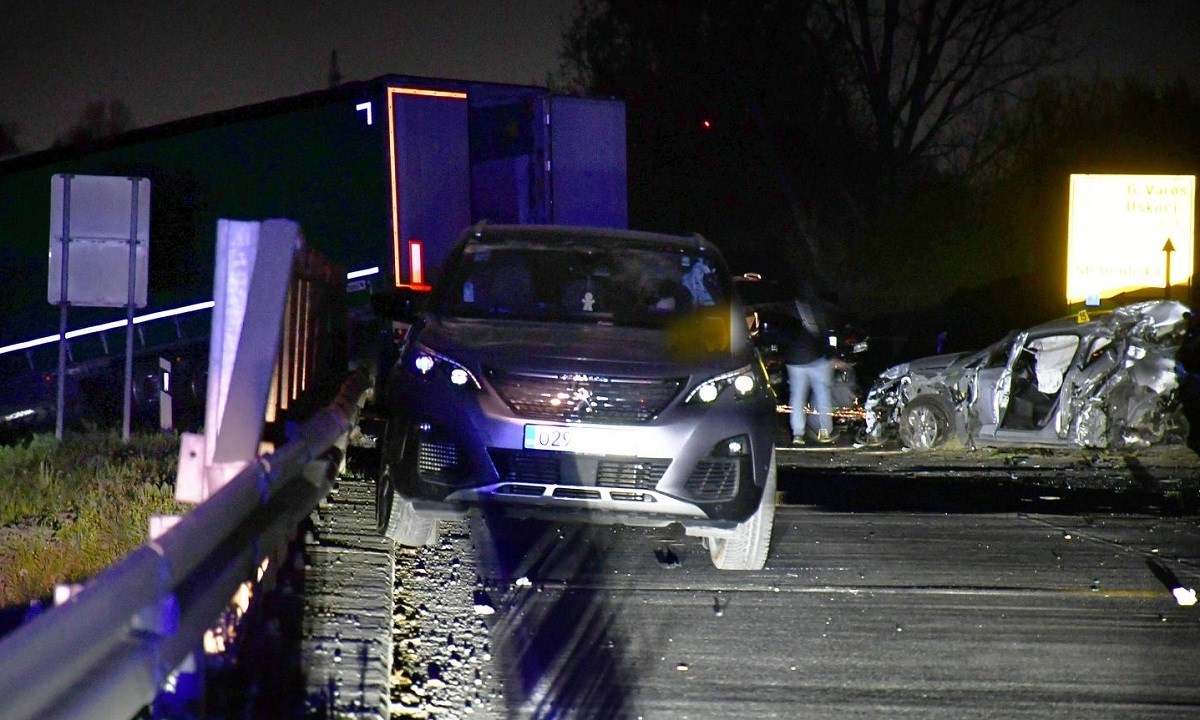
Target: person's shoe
x=797, y=440
x=823, y=437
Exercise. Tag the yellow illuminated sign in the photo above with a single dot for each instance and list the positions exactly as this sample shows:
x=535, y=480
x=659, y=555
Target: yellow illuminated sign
x=1118, y=227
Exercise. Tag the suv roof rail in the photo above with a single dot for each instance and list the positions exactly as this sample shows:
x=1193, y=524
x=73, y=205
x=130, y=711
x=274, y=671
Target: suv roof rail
x=476, y=230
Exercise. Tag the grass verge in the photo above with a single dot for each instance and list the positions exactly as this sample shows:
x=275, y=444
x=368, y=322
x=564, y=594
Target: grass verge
x=69, y=509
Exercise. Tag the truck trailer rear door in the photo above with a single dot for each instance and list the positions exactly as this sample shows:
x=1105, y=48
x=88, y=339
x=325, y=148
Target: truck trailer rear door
x=587, y=162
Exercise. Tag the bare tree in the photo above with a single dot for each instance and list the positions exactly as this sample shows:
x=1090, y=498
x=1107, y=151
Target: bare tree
x=99, y=119
x=806, y=121
x=926, y=73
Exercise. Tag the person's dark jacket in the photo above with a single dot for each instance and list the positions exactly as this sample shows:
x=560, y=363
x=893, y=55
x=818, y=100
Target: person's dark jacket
x=805, y=347
x=797, y=344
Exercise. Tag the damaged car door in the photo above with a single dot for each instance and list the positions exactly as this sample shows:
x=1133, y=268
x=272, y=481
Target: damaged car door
x=1028, y=402
x=989, y=389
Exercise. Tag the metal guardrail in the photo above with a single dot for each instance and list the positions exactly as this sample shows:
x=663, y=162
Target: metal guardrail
x=105, y=652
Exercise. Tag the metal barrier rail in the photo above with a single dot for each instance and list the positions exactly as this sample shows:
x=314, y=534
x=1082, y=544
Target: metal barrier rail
x=105, y=652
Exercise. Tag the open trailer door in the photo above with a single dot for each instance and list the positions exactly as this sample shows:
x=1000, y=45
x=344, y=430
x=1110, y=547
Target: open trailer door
x=430, y=168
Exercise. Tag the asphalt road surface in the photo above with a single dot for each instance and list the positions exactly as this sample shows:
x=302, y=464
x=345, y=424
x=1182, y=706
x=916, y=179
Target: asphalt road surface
x=1044, y=603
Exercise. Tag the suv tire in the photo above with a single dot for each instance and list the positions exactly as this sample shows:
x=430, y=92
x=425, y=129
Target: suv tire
x=395, y=516
x=747, y=548
x=406, y=526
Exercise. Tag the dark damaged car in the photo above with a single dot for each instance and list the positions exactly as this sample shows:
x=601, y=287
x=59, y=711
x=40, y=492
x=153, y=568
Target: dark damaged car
x=1095, y=382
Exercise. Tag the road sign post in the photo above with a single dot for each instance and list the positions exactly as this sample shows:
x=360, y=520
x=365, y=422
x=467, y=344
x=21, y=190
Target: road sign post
x=131, y=299
x=63, y=304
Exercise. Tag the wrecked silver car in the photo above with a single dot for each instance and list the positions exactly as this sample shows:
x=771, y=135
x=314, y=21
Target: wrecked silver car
x=1107, y=380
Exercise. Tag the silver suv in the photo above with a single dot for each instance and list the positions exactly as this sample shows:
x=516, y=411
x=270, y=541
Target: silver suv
x=586, y=374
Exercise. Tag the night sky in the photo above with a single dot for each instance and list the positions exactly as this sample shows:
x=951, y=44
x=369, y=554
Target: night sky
x=168, y=59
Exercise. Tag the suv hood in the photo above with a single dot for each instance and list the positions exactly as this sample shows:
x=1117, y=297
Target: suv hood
x=567, y=347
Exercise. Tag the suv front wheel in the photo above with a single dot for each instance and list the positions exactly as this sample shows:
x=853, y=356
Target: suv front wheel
x=395, y=516
x=746, y=548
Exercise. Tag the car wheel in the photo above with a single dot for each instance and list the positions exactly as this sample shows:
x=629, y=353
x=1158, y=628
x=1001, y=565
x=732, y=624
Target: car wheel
x=924, y=424
x=395, y=516
x=747, y=548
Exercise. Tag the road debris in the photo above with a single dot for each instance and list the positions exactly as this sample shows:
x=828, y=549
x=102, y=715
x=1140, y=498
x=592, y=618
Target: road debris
x=666, y=557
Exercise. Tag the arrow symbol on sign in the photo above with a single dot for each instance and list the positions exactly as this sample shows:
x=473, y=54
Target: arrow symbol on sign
x=1168, y=248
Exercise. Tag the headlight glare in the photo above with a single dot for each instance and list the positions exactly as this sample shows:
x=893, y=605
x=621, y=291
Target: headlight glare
x=742, y=380
x=430, y=363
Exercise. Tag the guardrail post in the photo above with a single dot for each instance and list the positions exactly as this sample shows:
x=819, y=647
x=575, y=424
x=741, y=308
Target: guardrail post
x=253, y=270
x=166, y=395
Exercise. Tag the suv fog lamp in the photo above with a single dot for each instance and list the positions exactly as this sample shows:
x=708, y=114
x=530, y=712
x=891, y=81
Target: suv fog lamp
x=738, y=446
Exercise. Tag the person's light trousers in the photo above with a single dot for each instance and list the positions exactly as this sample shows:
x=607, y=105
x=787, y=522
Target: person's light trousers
x=815, y=377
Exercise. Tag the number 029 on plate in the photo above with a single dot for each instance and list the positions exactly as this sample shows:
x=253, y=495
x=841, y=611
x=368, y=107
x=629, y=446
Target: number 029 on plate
x=583, y=440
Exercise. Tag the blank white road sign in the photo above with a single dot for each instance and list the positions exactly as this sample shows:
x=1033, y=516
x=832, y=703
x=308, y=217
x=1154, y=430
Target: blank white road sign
x=100, y=225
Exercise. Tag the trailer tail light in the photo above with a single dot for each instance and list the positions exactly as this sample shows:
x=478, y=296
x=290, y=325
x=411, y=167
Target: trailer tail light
x=415, y=265
x=415, y=255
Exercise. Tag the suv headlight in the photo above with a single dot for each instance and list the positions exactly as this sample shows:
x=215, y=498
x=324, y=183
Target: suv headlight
x=430, y=363
x=743, y=381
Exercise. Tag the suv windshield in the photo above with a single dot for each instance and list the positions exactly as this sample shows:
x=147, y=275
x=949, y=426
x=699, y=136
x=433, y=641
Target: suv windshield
x=580, y=282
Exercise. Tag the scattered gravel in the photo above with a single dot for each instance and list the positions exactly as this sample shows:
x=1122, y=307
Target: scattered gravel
x=442, y=662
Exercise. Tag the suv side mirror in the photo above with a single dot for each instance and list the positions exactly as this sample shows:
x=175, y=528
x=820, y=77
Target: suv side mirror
x=399, y=304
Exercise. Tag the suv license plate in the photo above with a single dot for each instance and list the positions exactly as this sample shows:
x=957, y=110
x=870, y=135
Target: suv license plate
x=582, y=440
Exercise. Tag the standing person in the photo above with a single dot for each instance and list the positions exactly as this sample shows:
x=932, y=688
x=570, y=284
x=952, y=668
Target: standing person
x=809, y=361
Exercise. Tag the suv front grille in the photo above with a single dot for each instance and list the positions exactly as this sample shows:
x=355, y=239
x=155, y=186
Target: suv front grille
x=639, y=475
x=527, y=466
x=553, y=468
x=583, y=398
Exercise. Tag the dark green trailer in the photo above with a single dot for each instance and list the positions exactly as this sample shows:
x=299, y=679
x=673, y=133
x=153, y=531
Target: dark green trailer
x=382, y=175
